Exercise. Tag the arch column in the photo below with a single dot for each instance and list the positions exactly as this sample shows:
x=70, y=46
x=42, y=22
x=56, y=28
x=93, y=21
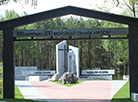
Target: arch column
x=133, y=58
x=8, y=64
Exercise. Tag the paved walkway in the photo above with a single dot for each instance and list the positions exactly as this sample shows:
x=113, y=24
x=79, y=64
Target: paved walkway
x=116, y=85
x=88, y=91
x=28, y=91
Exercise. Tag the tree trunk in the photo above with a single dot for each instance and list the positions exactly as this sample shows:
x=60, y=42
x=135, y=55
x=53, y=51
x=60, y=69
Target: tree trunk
x=80, y=57
x=90, y=63
x=38, y=56
x=108, y=59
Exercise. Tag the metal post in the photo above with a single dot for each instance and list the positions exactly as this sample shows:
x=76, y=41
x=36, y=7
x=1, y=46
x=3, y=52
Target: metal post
x=8, y=63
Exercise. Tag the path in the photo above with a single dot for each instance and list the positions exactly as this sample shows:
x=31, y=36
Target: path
x=116, y=85
x=28, y=91
x=88, y=91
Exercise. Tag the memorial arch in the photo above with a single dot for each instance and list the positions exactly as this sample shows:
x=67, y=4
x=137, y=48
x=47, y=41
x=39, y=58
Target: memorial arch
x=9, y=37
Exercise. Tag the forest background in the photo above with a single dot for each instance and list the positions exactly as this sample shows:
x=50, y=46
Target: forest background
x=104, y=54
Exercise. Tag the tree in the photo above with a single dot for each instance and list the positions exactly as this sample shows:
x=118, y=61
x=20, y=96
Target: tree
x=130, y=5
x=10, y=14
x=4, y=1
x=22, y=2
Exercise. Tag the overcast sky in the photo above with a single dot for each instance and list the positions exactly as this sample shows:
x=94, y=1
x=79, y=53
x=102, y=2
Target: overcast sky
x=44, y=5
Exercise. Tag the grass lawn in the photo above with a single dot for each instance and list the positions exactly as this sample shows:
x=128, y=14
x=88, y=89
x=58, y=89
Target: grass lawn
x=68, y=84
x=122, y=95
x=18, y=97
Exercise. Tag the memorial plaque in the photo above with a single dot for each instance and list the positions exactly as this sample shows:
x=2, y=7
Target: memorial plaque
x=70, y=32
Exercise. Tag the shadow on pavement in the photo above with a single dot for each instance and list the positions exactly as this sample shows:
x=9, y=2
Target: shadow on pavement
x=18, y=100
x=23, y=86
x=59, y=100
x=122, y=100
x=31, y=86
x=74, y=100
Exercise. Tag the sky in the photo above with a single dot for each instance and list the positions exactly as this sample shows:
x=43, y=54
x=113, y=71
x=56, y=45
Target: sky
x=44, y=5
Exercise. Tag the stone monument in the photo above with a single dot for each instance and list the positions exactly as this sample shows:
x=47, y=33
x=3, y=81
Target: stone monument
x=67, y=58
x=73, y=60
x=61, y=57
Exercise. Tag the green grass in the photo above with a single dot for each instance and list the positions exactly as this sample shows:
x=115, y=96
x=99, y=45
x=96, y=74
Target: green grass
x=18, y=97
x=68, y=84
x=122, y=95
x=18, y=94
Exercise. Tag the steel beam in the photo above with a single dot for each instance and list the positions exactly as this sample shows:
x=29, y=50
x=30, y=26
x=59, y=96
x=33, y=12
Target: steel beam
x=71, y=39
x=66, y=11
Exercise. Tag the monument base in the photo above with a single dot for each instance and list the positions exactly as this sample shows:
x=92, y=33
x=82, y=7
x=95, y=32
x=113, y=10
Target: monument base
x=134, y=97
x=126, y=77
x=38, y=78
x=86, y=77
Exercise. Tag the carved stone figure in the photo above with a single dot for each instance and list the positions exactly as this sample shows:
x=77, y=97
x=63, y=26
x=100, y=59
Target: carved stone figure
x=68, y=78
x=64, y=78
x=56, y=77
x=73, y=78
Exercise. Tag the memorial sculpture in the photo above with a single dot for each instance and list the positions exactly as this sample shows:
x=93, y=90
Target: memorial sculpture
x=56, y=76
x=68, y=77
x=67, y=63
x=67, y=57
x=73, y=60
x=61, y=53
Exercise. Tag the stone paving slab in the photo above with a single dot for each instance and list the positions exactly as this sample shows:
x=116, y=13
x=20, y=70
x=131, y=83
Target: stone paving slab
x=116, y=85
x=88, y=91
x=28, y=91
